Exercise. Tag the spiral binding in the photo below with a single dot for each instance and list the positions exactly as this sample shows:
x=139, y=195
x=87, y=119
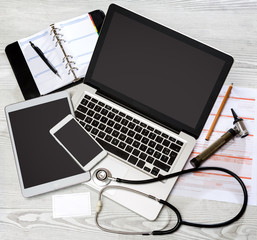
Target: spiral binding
x=69, y=63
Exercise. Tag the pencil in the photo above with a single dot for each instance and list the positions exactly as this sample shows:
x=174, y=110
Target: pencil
x=219, y=112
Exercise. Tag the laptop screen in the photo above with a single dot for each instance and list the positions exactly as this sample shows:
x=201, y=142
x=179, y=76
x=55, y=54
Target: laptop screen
x=156, y=70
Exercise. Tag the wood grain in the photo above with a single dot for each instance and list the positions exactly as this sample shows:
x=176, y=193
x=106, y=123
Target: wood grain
x=227, y=25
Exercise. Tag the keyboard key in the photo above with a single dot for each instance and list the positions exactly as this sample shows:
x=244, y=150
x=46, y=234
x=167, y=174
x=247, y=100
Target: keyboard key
x=88, y=120
x=91, y=105
x=136, y=144
x=136, y=152
x=108, y=138
x=131, y=125
x=150, y=151
x=114, y=150
x=104, y=119
x=104, y=111
x=101, y=104
x=132, y=159
x=172, y=139
x=131, y=133
x=95, y=123
x=115, y=110
x=122, y=137
x=124, y=122
x=122, y=145
x=159, y=139
x=166, y=143
x=136, y=121
x=129, y=140
x=117, y=126
x=115, y=133
x=129, y=148
x=143, y=147
x=150, y=159
x=101, y=126
x=82, y=123
x=175, y=147
x=138, y=137
x=117, y=118
x=97, y=116
x=115, y=141
x=159, y=147
x=147, y=169
x=88, y=127
x=108, y=130
x=152, y=144
x=165, y=135
x=157, y=131
x=97, y=108
x=90, y=113
x=179, y=143
x=141, y=164
x=138, y=129
x=150, y=128
x=124, y=130
x=143, y=124
x=157, y=155
x=81, y=108
x=94, y=131
x=101, y=134
x=111, y=115
x=110, y=123
x=142, y=156
x=161, y=165
x=87, y=97
x=145, y=140
x=166, y=151
x=122, y=114
x=79, y=115
x=164, y=158
x=152, y=136
x=108, y=107
x=155, y=171
x=94, y=100
x=84, y=101
x=145, y=132
x=129, y=117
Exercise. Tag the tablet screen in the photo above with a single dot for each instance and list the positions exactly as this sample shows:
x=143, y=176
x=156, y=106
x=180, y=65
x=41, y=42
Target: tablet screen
x=41, y=158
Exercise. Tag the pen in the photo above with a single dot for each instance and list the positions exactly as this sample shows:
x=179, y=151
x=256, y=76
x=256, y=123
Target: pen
x=219, y=112
x=42, y=56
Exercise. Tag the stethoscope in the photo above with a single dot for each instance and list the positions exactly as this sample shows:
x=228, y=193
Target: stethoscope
x=103, y=177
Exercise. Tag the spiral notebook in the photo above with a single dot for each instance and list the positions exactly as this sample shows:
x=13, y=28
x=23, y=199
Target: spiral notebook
x=68, y=45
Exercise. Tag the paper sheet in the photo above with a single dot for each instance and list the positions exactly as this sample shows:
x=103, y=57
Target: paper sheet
x=71, y=205
x=238, y=155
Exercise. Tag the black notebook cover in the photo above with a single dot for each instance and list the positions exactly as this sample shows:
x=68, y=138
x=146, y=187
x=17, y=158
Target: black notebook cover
x=21, y=69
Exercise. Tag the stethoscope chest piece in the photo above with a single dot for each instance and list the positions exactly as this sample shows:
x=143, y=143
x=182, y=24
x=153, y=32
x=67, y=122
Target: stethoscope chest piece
x=101, y=177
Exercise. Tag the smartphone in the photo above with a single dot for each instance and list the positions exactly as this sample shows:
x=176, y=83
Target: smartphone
x=78, y=143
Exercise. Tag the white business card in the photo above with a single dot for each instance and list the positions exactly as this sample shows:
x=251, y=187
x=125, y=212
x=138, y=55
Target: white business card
x=71, y=205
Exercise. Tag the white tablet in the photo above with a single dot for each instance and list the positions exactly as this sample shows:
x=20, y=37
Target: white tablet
x=42, y=164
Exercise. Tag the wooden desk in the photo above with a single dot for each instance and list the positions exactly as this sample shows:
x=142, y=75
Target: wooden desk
x=229, y=25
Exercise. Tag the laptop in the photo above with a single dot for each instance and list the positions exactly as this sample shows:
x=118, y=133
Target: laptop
x=146, y=96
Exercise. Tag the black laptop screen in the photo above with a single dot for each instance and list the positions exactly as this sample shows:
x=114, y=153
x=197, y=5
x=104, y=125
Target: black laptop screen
x=157, y=71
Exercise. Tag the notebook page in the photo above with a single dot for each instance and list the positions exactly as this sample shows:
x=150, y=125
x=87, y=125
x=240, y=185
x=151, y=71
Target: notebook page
x=80, y=38
x=44, y=78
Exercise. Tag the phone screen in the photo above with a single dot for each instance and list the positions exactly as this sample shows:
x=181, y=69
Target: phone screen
x=78, y=142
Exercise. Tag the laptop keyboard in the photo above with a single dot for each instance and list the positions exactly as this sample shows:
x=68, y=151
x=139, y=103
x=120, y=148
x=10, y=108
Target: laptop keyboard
x=135, y=142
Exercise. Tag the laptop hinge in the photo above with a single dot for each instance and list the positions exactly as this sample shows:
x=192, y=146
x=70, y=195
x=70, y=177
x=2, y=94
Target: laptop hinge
x=135, y=111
